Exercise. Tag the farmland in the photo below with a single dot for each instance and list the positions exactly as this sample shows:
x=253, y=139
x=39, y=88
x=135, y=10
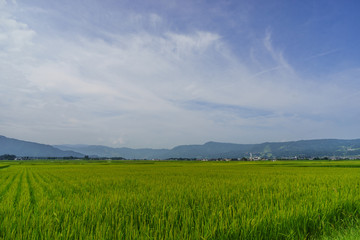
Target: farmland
x=177, y=200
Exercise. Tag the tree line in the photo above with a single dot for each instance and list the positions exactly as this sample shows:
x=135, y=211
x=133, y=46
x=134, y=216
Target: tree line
x=7, y=157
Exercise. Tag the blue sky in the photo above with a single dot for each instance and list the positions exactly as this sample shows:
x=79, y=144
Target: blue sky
x=164, y=73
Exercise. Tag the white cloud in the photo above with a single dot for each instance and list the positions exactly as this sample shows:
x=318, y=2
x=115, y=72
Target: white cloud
x=276, y=55
x=133, y=88
x=14, y=35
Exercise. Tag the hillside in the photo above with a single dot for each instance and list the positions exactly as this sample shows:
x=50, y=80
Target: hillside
x=30, y=149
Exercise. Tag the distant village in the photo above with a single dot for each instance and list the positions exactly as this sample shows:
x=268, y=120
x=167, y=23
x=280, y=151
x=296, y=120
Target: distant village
x=251, y=157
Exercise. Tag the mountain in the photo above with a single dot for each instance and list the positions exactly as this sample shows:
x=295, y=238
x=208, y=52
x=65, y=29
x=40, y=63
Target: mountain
x=103, y=151
x=311, y=148
x=303, y=148
x=30, y=149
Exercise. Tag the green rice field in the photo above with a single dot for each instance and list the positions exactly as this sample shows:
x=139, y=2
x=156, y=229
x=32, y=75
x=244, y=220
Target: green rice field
x=178, y=200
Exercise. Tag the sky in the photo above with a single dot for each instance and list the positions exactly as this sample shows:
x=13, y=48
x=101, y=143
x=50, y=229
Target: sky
x=162, y=73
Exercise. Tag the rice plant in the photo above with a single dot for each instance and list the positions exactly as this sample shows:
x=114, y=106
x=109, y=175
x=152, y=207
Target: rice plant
x=177, y=200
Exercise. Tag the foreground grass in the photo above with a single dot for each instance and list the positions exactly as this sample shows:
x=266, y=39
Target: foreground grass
x=348, y=233
x=177, y=200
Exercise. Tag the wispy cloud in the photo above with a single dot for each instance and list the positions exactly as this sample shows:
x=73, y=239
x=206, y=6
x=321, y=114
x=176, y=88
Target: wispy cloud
x=276, y=55
x=322, y=54
x=154, y=85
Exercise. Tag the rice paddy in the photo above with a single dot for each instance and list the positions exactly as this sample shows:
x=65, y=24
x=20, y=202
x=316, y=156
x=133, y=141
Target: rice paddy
x=177, y=200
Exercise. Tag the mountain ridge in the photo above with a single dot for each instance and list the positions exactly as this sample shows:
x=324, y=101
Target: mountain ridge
x=301, y=148
x=22, y=148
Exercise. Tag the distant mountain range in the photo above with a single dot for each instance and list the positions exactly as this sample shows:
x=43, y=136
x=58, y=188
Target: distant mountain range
x=303, y=148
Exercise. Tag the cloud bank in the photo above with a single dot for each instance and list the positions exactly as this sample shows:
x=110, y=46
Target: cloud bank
x=156, y=86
